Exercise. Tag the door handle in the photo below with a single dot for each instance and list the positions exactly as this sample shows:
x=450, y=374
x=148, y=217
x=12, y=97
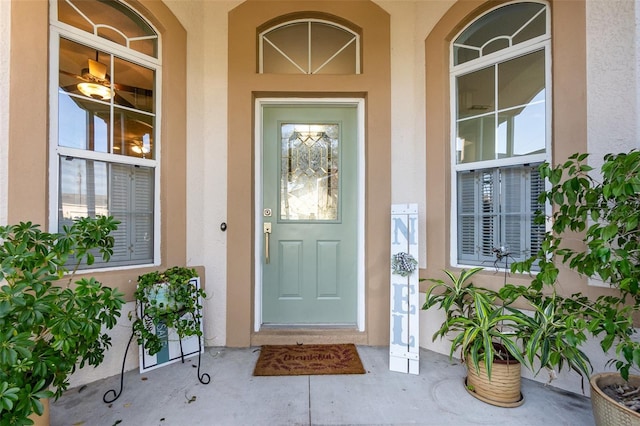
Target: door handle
x=267, y=232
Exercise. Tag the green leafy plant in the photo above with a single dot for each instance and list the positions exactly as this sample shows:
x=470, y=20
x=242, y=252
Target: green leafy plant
x=482, y=328
x=482, y=320
x=50, y=324
x=602, y=211
x=552, y=335
x=169, y=298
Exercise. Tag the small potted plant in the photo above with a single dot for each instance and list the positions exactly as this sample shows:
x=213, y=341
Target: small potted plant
x=170, y=298
x=50, y=323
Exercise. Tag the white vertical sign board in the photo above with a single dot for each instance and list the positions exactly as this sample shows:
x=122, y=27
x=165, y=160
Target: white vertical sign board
x=404, y=334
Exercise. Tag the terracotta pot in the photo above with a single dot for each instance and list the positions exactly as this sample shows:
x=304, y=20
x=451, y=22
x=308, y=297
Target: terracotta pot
x=606, y=411
x=503, y=390
x=42, y=420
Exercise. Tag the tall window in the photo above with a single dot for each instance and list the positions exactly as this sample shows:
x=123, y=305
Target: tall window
x=104, y=160
x=500, y=100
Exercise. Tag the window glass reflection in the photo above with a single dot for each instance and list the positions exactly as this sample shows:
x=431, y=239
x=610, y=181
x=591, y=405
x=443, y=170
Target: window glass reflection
x=83, y=124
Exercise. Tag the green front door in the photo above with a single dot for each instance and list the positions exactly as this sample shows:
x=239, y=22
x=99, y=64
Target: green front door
x=309, y=232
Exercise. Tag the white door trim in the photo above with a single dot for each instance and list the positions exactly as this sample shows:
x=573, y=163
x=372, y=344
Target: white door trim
x=359, y=103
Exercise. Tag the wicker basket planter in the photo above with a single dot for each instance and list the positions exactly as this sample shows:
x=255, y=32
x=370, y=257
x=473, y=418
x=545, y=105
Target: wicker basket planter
x=606, y=411
x=503, y=390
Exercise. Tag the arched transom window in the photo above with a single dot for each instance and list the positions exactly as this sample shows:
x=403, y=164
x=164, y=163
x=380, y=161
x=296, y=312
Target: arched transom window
x=500, y=99
x=309, y=46
x=103, y=123
x=111, y=20
x=501, y=29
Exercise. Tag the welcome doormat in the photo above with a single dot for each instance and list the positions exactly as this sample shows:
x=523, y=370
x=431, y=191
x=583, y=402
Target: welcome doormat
x=302, y=360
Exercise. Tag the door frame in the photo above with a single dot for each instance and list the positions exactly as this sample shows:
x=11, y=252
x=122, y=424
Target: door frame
x=258, y=202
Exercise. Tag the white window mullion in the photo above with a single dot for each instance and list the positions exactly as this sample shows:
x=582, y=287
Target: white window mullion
x=309, y=48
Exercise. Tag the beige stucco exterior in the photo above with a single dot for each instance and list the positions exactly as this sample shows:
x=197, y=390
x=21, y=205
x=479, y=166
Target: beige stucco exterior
x=209, y=89
x=245, y=85
x=27, y=163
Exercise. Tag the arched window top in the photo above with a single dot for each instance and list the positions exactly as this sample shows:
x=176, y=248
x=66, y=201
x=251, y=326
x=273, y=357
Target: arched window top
x=500, y=29
x=309, y=46
x=111, y=20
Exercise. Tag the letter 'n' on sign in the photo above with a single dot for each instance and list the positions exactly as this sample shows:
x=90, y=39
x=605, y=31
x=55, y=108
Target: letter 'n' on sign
x=404, y=355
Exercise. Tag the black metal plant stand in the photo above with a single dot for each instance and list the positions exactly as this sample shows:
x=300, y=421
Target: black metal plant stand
x=202, y=378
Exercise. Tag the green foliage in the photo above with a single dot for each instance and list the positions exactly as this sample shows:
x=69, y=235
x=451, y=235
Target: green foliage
x=168, y=298
x=604, y=213
x=479, y=325
x=47, y=330
x=552, y=336
x=480, y=320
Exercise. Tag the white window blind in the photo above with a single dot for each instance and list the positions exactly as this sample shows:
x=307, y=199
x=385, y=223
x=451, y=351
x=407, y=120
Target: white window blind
x=123, y=191
x=496, y=208
x=131, y=203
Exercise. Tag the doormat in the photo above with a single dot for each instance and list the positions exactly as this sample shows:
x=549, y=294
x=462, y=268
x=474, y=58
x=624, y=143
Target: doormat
x=303, y=360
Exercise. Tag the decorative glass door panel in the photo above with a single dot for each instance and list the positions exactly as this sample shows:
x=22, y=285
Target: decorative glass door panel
x=309, y=173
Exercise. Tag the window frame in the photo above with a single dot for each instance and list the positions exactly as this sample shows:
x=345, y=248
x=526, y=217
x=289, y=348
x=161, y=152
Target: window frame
x=536, y=44
x=58, y=30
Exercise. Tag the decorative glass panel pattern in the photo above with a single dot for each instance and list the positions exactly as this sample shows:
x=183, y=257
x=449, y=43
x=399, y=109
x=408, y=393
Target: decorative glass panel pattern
x=309, y=173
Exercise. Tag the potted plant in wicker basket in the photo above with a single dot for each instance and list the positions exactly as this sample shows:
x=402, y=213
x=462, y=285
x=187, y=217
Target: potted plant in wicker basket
x=495, y=335
x=484, y=332
x=605, y=212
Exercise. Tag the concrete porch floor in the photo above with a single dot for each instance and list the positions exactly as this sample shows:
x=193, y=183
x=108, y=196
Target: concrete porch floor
x=172, y=395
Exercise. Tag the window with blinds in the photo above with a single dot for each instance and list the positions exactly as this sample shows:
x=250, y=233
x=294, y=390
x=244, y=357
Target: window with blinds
x=103, y=123
x=500, y=75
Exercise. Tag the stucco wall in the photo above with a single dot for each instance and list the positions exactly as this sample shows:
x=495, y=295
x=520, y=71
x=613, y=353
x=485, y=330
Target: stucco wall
x=24, y=165
x=612, y=104
x=613, y=61
x=206, y=25
x=245, y=86
x=5, y=43
x=594, y=109
x=410, y=24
